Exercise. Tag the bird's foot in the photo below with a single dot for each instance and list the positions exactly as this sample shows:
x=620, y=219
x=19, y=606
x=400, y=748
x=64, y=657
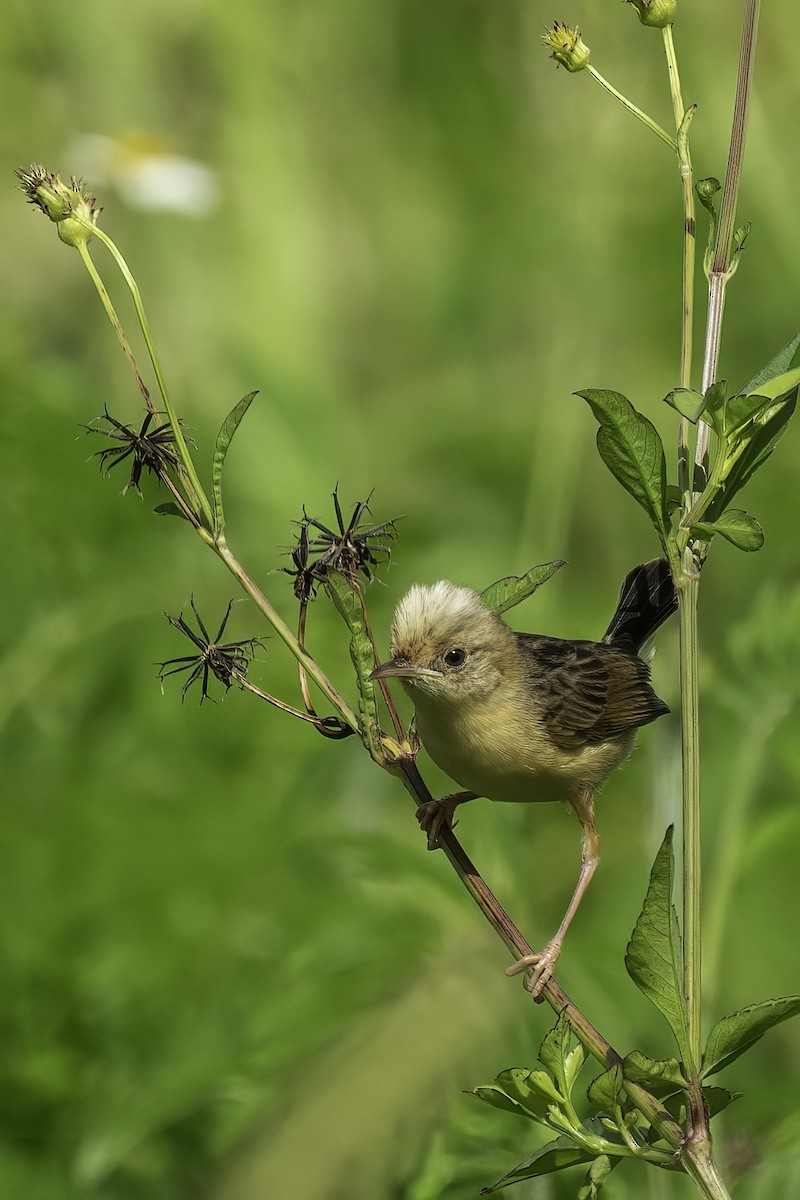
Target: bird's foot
x=538, y=967
x=437, y=814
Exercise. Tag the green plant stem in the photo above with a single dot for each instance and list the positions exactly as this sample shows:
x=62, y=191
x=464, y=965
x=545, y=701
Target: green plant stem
x=631, y=107
x=180, y=440
x=690, y=756
x=700, y=1165
x=111, y=313
x=310, y=666
x=683, y=118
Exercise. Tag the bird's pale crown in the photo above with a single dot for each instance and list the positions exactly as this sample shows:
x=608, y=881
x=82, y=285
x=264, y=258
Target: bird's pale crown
x=430, y=620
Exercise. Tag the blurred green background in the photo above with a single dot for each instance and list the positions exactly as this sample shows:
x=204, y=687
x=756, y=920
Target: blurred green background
x=229, y=967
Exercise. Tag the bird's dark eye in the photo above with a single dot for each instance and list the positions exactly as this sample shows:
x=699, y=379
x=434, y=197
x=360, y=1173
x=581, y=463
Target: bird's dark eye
x=455, y=658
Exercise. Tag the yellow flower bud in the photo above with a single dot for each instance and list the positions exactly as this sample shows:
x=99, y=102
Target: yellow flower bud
x=567, y=48
x=69, y=205
x=656, y=13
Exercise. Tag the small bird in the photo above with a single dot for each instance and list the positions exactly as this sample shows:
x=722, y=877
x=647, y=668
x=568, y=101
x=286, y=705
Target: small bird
x=521, y=717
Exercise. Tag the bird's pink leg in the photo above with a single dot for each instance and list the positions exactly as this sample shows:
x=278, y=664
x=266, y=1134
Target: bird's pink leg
x=541, y=965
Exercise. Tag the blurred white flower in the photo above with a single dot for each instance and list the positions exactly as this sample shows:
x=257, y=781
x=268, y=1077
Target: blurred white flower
x=146, y=173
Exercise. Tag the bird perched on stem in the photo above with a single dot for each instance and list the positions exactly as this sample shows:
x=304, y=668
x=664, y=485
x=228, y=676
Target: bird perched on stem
x=522, y=717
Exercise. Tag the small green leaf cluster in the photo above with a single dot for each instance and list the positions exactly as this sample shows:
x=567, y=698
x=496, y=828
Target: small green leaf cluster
x=747, y=427
x=618, y=1128
x=613, y=1130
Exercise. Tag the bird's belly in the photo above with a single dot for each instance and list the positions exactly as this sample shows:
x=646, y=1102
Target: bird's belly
x=521, y=765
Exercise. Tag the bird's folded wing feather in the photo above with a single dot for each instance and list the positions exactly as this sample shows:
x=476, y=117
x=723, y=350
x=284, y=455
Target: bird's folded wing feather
x=590, y=692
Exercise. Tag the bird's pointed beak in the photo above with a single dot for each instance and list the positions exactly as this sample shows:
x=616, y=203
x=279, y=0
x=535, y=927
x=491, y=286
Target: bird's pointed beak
x=401, y=668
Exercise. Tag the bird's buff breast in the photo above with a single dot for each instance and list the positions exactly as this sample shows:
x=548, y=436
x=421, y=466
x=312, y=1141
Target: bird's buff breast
x=513, y=761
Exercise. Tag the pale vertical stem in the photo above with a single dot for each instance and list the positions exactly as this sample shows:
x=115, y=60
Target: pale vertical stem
x=682, y=120
x=727, y=217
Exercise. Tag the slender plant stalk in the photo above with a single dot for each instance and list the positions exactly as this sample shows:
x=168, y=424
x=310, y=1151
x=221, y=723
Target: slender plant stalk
x=111, y=313
x=283, y=631
x=180, y=441
x=631, y=107
x=683, y=118
x=720, y=269
x=688, y=594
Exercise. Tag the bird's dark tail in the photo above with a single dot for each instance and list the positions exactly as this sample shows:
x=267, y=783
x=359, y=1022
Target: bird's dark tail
x=647, y=598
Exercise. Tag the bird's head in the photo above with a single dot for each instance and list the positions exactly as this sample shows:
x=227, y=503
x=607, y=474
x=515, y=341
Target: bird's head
x=446, y=645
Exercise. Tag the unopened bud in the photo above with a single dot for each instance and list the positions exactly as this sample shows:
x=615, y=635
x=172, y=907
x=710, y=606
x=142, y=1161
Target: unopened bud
x=567, y=48
x=70, y=206
x=657, y=13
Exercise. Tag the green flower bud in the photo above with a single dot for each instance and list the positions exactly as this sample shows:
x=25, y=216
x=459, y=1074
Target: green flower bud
x=657, y=13
x=567, y=48
x=70, y=206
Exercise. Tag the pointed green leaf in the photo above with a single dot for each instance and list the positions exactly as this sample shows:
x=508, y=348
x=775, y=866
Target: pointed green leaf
x=737, y=1032
x=659, y=1075
x=652, y=957
x=170, y=509
x=554, y=1050
x=512, y=589
x=779, y=386
x=544, y=1084
x=784, y=360
x=497, y=1098
x=516, y=1083
x=603, y=1092
x=687, y=402
x=736, y=526
x=750, y=448
x=717, y=1100
x=596, y=1176
x=349, y=602
x=630, y=447
x=224, y=437
x=555, y=1156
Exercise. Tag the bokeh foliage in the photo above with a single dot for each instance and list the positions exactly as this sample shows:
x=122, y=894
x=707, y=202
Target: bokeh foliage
x=229, y=967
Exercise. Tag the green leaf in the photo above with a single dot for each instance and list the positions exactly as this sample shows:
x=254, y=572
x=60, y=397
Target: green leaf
x=717, y=1100
x=596, y=1176
x=497, y=1098
x=652, y=957
x=555, y=1156
x=783, y=361
x=630, y=447
x=659, y=1075
x=516, y=1084
x=507, y=592
x=170, y=509
x=750, y=448
x=736, y=526
x=224, y=438
x=737, y=1032
x=554, y=1052
x=687, y=402
x=603, y=1092
x=349, y=602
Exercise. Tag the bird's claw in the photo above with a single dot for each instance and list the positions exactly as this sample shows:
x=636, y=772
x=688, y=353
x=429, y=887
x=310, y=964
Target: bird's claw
x=435, y=814
x=538, y=968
